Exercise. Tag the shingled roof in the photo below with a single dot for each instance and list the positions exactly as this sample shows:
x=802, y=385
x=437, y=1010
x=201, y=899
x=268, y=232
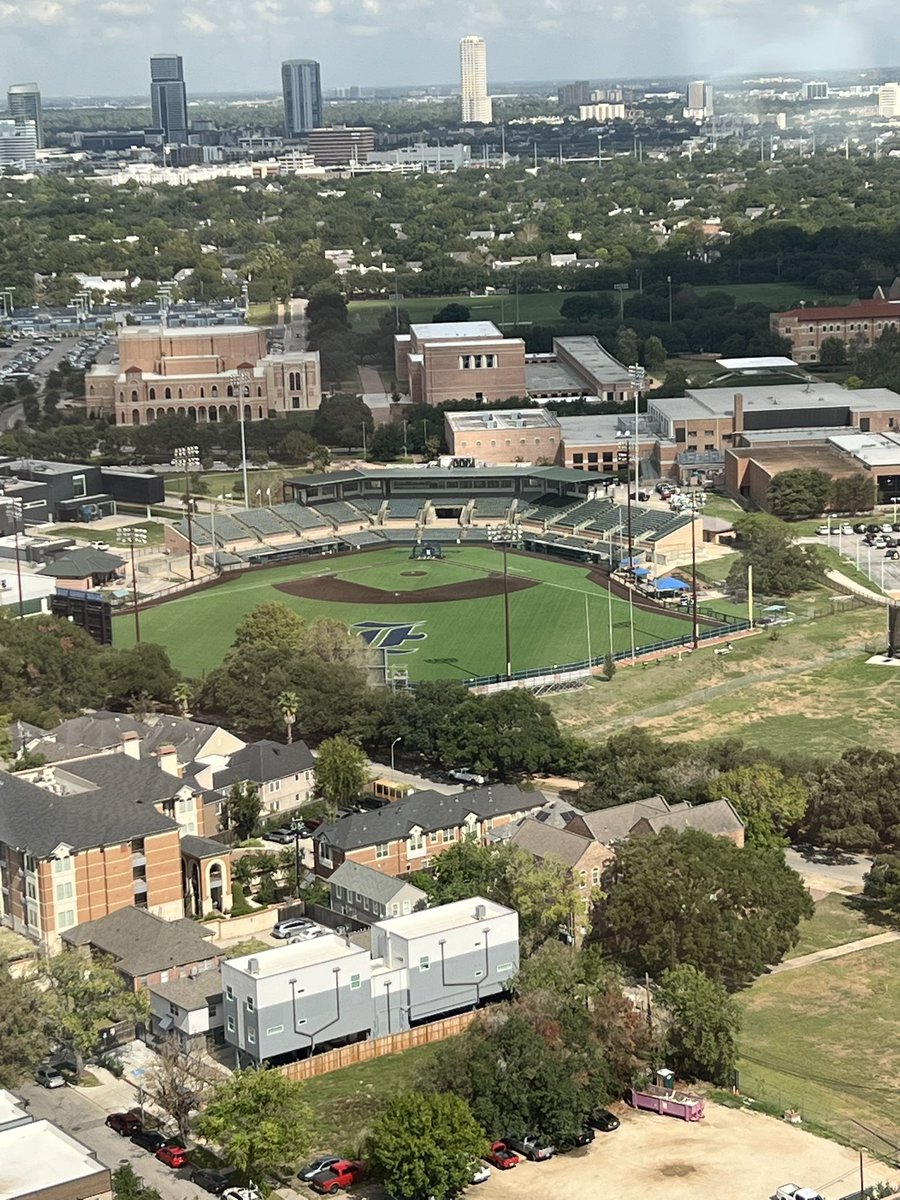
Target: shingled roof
x=264, y=761
x=142, y=943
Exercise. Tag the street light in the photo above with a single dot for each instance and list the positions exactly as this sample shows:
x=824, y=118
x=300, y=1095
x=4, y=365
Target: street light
x=17, y=511
x=187, y=459
x=669, y=282
x=393, y=744
x=298, y=829
x=133, y=536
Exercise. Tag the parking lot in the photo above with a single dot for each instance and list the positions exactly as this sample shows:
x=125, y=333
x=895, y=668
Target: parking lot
x=729, y=1155
x=871, y=560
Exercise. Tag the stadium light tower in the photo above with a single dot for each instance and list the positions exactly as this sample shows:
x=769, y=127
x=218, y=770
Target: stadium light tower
x=133, y=536
x=187, y=459
x=637, y=375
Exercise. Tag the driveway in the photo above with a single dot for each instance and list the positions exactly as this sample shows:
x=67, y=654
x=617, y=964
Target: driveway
x=824, y=870
x=729, y=1155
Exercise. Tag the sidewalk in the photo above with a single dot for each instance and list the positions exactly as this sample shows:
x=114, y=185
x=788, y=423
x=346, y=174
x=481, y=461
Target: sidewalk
x=817, y=956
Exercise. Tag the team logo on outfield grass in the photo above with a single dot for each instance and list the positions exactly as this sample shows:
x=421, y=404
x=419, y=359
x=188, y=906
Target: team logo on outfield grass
x=391, y=636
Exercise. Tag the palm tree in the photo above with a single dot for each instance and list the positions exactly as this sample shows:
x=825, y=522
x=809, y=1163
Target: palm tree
x=289, y=702
x=183, y=695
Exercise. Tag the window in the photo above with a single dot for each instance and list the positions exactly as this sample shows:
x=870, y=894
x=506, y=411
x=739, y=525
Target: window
x=395, y=909
x=324, y=852
x=449, y=835
x=595, y=876
x=231, y=1024
x=274, y=1029
x=424, y=963
x=173, y=1009
x=338, y=892
x=212, y=1009
x=504, y=967
x=66, y=919
x=64, y=890
x=577, y=458
x=415, y=843
x=30, y=862
x=295, y=401
x=355, y=983
x=61, y=865
x=250, y=1005
x=251, y=1036
x=382, y=850
x=229, y=992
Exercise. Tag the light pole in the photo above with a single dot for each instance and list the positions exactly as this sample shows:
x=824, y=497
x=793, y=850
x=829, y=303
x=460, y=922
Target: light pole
x=669, y=282
x=17, y=510
x=637, y=375
x=895, y=500
x=242, y=384
x=133, y=536
x=621, y=288
x=696, y=628
x=393, y=744
x=187, y=459
x=298, y=830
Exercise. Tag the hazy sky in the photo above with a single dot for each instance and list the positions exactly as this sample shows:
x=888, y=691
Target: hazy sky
x=101, y=46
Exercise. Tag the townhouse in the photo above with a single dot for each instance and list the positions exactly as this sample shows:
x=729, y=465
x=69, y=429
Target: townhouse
x=643, y=817
x=366, y=895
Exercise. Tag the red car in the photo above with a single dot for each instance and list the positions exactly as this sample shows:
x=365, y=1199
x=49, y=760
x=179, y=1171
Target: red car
x=501, y=1157
x=172, y=1156
x=342, y=1174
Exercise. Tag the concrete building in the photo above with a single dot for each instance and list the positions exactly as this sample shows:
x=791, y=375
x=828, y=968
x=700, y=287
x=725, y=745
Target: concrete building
x=41, y=1162
x=501, y=436
x=859, y=324
x=307, y=996
x=367, y=895
x=815, y=90
x=18, y=146
x=476, y=103
x=601, y=112
x=24, y=103
x=423, y=157
x=699, y=100
x=573, y=95
x=889, y=100
x=578, y=366
x=301, y=87
x=205, y=374
x=168, y=98
x=465, y=360
x=341, y=145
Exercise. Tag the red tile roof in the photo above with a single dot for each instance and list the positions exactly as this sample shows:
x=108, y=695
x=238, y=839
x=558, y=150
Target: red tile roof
x=862, y=308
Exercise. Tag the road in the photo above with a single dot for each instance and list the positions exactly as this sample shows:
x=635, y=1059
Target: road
x=829, y=871
x=78, y=1113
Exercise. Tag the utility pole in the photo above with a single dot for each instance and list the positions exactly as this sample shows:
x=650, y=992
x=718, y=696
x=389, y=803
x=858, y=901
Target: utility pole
x=506, y=612
x=18, y=515
x=695, y=625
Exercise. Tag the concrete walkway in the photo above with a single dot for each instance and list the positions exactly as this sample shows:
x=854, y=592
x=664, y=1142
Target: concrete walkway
x=817, y=956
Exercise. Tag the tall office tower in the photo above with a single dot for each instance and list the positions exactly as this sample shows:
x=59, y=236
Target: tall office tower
x=889, y=100
x=476, y=103
x=699, y=104
x=301, y=85
x=24, y=103
x=816, y=90
x=18, y=145
x=168, y=98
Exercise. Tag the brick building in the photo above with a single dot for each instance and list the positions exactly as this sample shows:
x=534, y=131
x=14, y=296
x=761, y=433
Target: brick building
x=465, y=360
x=643, y=817
x=582, y=855
x=859, y=324
x=497, y=437
x=203, y=373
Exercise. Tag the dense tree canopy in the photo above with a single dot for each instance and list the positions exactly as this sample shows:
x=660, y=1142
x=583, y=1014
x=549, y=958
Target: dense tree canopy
x=780, y=567
x=702, y=1023
x=425, y=1144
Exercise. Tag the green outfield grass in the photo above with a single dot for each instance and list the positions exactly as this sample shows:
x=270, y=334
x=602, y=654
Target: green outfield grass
x=535, y=308
x=463, y=639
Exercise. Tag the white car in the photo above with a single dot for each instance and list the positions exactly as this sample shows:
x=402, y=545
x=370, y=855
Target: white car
x=481, y=1173
x=793, y=1191
x=239, y=1193
x=307, y=935
x=99, y=545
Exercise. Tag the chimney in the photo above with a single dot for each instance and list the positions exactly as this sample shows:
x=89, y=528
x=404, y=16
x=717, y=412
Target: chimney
x=167, y=757
x=131, y=744
x=737, y=424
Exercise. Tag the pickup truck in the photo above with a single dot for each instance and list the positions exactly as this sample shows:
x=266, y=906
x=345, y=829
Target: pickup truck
x=793, y=1191
x=530, y=1146
x=342, y=1174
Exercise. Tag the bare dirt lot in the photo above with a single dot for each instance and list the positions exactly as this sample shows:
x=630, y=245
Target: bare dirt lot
x=729, y=1155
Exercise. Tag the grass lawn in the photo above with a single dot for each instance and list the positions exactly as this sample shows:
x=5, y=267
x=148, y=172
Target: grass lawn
x=263, y=314
x=462, y=640
x=776, y=296
x=219, y=483
x=838, y=919
x=808, y=689
x=825, y=1039
x=90, y=533
x=344, y=1103
x=535, y=308
x=716, y=569
x=847, y=565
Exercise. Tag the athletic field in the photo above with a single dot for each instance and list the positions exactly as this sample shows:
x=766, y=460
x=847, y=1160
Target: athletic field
x=438, y=619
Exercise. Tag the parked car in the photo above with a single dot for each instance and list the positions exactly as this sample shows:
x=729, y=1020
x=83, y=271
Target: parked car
x=211, y=1181
x=480, y=1173
x=465, y=776
x=792, y=1191
x=501, y=1157
x=604, y=1120
x=824, y=529
x=879, y=543
x=890, y=541
x=124, y=1123
x=291, y=926
x=873, y=529
x=316, y=1166
x=239, y=1193
x=172, y=1156
x=530, y=1146
x=342, y=1174
x=149, y=1139
x=309, y=935
x=99, y=545
x=846, y=529
x=282, y=836
x=892, y=554
x=896, y=526
x=887, y=527
x=571, y=1141
x=49, y=1077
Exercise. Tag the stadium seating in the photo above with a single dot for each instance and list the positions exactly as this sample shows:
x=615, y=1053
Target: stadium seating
x=298, y=517
x=403, y=509
x=264, y=521
x=340, y=511
x=491, y=507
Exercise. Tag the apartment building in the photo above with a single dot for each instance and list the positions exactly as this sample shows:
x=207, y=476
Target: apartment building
x=583, y=857
x=340, y=145
x=207, y=374
x=408, y=835
x=284, y=775
x=464, y=360
x=612, y=825
x=306, y=996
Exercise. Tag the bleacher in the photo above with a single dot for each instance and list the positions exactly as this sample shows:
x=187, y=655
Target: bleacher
x=373, y=507
x=400, y=509
x=491, y=507
x=612, y=522
x=298, y=517
x=339, y=511
x=545, y=507
x=363, y=537
x=264, y=522
x=584, y=513
x=669, y=523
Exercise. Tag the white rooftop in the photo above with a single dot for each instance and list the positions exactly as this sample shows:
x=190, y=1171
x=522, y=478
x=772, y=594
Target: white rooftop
x=755, y=364
x=456, y=915
x=39, y=1156
x=293, y=956
x=507, y=418
x=153, y=331
x=454, y=330
x=11, y=1109
x=873, y=449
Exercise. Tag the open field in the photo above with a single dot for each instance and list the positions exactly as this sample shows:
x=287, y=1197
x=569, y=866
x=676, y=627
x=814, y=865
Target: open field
x=809, y=690
x=838, y=919
x=776, y=296
x=535, y=308
x=444, y=639
x=825, y=1039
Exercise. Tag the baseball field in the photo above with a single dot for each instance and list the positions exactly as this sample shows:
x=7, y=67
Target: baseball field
x=439, y=619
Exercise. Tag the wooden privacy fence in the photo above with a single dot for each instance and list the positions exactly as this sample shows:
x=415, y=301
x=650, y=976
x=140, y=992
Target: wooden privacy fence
x=394, y=1043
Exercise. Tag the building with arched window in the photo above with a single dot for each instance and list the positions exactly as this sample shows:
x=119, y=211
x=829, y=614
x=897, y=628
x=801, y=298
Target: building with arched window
x=193, y=365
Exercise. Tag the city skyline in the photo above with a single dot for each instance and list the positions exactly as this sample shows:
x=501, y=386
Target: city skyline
x=93, y=49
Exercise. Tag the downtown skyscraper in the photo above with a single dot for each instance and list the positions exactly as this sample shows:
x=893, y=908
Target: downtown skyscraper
x=301, y=87
x=168, y=97
x=24, y=103
x=476, y=103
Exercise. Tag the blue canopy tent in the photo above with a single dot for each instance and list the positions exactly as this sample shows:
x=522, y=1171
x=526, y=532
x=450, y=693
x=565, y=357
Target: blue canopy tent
x=670, y=584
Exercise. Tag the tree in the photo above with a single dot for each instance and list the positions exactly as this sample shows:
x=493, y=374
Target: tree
x=609, y=666
x=832, y=352
x=507, y=734
x=179, y=1081
x=271, y=625
x=452, y=312
x=127, y=1185
x=183, y=695
x=289, y=702
x=854, y=803
x=881, y=882
x=241, y=810
x=627, y=346
x=341, y=770
x=298, y=446
x=259, y=1119
x=728, y=911
x=23, y=1038
x=82, y=997
x=424, y=1144
x=702, y=1025
x=142, y=670
x=387, y=443
x=339, y=420
x=780, y=568
x=799, y=493
x=853, y=494
x=655, y=355
x=767, y=802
